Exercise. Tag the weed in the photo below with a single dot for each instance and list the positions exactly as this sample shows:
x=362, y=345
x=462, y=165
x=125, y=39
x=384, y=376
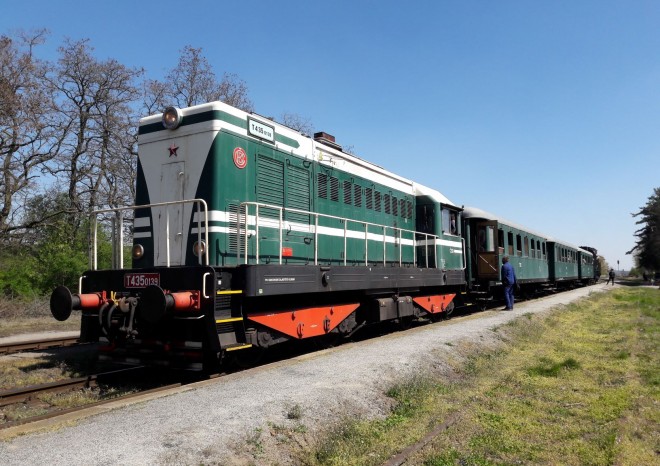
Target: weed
x=294, y=412
x=255, y=442
x=548, y=368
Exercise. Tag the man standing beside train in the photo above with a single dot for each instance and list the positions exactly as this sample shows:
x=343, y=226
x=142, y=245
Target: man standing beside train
x=509, y=281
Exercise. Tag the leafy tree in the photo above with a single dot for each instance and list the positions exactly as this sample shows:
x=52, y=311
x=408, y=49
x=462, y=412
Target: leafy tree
x=647, y=247
x=18, y=273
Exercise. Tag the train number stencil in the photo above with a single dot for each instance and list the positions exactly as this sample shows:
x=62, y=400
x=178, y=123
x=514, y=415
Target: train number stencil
x=141, y=280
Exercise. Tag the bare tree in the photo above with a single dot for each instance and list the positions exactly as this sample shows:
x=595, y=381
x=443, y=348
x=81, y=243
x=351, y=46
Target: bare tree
x=26, y=127
x=96, y=130
x=297, y=122
x=193, y=82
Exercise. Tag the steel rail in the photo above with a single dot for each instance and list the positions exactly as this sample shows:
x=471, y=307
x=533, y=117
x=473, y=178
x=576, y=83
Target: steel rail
x=30, y=392
x=44, y=343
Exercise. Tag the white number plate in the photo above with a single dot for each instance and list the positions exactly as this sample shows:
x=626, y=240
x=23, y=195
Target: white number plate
x=141, y=280
x=261, y=130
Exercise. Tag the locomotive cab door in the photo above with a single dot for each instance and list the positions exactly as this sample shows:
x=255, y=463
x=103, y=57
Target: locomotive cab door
x=169, y=218
x=487, y=255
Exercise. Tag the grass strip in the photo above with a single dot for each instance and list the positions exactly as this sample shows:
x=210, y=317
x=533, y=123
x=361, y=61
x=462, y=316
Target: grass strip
x=579, y=385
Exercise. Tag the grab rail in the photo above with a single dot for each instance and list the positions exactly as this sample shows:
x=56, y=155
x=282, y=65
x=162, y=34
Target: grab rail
x=243, y=234
x=118, y=231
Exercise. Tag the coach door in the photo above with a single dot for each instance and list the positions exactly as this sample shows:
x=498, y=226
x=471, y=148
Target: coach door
x=487, y=256
x=170, y=218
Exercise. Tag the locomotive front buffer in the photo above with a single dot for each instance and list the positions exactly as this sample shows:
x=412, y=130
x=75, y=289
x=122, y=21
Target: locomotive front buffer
x=163, y=317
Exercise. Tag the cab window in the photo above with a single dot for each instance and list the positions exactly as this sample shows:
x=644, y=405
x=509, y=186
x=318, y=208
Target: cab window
x=449, y=223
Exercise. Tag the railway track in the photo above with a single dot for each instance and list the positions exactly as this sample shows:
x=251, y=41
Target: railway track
x=31, y=345
x=31, y=394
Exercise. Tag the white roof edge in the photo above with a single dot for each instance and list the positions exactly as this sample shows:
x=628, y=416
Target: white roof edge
x=421, y=190
x=474, y=212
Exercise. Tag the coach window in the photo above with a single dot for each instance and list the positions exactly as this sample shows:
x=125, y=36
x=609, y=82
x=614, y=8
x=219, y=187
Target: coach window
x=543, y=249
x=526, y=245
x=532, y=250
x=518, y=245
x=500, y=241
x=486, y=238
x=395, y=206
x=509, y=240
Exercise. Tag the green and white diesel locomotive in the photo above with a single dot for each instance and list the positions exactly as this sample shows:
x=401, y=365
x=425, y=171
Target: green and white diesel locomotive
x=247, y=233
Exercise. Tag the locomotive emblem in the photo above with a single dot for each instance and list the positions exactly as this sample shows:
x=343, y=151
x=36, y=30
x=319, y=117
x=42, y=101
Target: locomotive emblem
x=173, y=148
x=240, y=158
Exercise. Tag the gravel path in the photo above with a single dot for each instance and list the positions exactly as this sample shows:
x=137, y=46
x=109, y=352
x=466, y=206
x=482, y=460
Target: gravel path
x=213, y=422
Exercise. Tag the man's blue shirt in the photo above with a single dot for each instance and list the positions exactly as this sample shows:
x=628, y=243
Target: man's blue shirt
x=508, y=274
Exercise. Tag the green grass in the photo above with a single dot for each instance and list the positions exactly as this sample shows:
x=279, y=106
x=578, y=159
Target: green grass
x=578, y=386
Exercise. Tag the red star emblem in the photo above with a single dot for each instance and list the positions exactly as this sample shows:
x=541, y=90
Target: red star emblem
x=173, y=148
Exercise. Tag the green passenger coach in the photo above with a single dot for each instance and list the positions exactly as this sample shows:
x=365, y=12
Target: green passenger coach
x=489, y=239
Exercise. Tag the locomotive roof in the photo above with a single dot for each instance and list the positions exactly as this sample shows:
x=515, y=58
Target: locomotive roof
x=301, y=145
x=474, y=212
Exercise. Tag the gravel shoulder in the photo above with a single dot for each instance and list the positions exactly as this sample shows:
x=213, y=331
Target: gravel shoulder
x=216, y=421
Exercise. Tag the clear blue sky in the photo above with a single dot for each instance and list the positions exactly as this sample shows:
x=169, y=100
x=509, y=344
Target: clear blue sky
x=543, y=112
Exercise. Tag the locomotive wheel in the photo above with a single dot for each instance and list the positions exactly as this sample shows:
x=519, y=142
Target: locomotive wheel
x=405, y=322
x=249, y=357
x=329, y=340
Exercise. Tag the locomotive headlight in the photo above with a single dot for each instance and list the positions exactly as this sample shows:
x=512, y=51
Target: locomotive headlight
x=199, y=248
x=172, y=118
x=138, y=251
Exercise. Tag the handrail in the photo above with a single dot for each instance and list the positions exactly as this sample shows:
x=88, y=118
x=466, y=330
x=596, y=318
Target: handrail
x=243, y=234
x=119, y=212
